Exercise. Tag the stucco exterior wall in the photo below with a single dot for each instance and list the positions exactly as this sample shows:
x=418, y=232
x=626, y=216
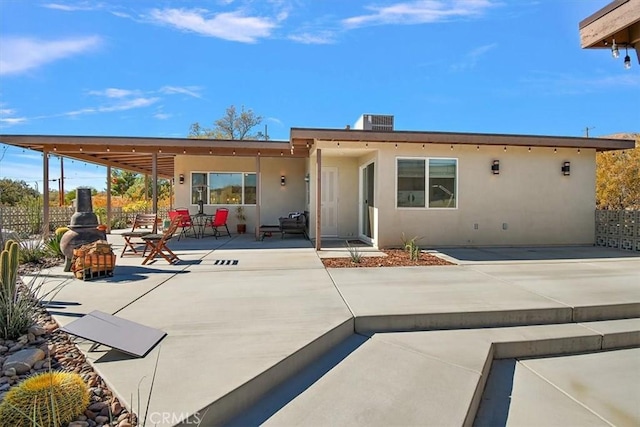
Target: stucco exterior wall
x=529, y=203
x=277, y=200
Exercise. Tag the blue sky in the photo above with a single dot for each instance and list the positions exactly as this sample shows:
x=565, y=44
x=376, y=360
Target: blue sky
x=151, y=68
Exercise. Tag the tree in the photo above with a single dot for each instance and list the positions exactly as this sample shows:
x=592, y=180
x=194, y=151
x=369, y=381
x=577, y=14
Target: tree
x=12, y=192
x=122, y=181
x=618, y=178
x=232, y=125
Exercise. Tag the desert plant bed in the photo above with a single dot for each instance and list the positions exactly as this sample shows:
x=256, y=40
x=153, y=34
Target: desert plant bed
x=393, y=258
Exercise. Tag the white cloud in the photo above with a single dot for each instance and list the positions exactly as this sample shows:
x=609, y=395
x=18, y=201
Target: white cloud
x=233, y=26
x=322, y=37
x=470, y=59
x=121, y=106
x=187, y=90
x=419, y=12
x=71, y=8
x=162, y=116
x=23, y=54
x=10, y=121
x=115, y=93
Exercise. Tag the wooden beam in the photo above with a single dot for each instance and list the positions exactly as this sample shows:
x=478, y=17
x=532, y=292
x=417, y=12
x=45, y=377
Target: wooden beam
x=154, y=182
x=45, y=194
x=108, y=199
x=610, y=23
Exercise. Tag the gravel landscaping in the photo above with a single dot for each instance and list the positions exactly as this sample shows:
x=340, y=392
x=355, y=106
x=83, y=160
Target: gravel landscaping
x=44, y=347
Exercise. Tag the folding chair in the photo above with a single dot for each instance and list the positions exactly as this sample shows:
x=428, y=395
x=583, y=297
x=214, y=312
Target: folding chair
x=220, y=220
x=143, y=224
x=157, y=243
x=185, y=220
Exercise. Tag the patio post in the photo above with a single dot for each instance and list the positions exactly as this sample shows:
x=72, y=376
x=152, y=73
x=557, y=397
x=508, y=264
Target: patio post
x=45, y=192
x=108, y=224
x=318, y=198
x=258, y=198
x=154, y=182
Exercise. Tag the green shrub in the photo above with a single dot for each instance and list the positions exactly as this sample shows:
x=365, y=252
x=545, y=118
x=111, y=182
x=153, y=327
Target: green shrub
x=411, y=246
x=53, y=245
x=354, y=253
x=47, y=399
x=32, y=250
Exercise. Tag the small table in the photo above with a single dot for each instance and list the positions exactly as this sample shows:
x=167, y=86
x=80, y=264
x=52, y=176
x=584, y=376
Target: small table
x=266, y=230
x=199, y=222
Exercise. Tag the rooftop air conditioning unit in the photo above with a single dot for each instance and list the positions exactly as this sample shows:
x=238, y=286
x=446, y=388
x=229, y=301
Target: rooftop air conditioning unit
x=375, y=122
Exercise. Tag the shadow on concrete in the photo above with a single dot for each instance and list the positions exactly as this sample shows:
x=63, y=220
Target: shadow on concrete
x=290, y=389
x=496, y=399
x=541, y=253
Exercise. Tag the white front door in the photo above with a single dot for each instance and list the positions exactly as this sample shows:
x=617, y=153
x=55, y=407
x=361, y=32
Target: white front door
x=329, y=206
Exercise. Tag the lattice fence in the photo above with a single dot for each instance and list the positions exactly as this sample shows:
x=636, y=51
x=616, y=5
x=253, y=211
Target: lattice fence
x=28, y=221
x=618, y=229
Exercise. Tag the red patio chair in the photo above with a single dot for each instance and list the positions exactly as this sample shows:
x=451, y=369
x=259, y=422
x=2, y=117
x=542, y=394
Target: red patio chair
x=185, y=222
x=220, y=220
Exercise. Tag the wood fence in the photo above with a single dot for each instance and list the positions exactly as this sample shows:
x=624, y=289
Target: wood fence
x=28, y=221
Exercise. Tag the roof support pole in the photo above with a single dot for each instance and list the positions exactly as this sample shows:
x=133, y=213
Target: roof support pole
x=109, y=215
x=154, y=182
x=45, y=193
x=318, y=199
x=258, y=198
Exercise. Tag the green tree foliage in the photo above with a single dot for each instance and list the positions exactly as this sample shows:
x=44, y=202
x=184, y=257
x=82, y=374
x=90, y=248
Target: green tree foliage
x=122, y=181
x=13, y=192
x=618, y=178
x=233, y=125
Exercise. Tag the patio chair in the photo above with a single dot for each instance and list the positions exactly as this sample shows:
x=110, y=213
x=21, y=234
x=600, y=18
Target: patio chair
x=220, y=220
x=185, y=223
x=295, y=223
x=143, y=224
x=157, y=243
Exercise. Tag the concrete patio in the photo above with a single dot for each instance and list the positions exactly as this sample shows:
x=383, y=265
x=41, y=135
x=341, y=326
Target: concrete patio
x=278, y=339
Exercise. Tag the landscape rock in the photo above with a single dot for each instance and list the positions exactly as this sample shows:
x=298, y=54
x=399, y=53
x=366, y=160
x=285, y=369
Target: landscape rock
x=102, y=419
x=37, y=330
x=78, y=424
x=23, y=360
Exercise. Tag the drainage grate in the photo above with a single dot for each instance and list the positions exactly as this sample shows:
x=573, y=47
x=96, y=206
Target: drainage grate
x=226, y=262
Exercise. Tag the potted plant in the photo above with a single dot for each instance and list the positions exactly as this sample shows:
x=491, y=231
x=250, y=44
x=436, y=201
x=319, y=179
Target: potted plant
x=240, y=216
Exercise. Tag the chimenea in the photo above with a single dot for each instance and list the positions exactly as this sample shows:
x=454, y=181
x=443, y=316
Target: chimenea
x=83, y=228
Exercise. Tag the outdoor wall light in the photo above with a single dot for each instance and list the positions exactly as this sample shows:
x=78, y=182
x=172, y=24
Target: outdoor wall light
x=614, y=49
x=495, y=167
x=181, y=178
x=566, y=168
x=283, y=180
x=307, y=178
x=627, y=59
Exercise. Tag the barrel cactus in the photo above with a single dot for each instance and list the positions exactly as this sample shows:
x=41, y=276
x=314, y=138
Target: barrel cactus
x=47, y=399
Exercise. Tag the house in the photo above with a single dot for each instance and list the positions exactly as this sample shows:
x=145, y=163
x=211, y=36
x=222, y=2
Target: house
x=372, y=182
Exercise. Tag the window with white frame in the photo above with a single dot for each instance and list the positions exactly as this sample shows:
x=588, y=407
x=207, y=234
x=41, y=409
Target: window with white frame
x=223, y=188
x=426, y=183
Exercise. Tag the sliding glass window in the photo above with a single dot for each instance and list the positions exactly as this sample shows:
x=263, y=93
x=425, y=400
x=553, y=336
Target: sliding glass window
x=426, y=183
x=223, y=188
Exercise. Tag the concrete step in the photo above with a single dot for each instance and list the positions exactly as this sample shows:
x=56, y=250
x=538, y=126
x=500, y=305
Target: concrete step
x=426, y=378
